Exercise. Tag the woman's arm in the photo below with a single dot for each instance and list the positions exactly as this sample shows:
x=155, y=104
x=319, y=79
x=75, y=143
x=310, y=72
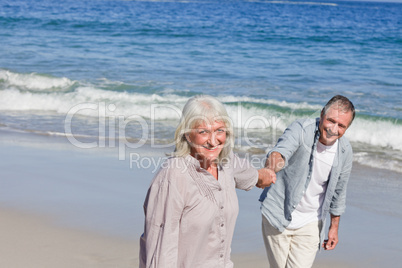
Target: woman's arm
x=163, y=208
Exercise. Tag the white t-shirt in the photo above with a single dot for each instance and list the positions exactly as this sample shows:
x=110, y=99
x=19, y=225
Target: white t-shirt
x=309, y=208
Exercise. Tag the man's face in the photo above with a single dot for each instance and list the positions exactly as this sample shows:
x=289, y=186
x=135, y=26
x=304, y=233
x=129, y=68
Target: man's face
x=334, y=124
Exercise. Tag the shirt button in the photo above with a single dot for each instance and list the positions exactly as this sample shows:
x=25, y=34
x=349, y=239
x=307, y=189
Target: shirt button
x=221, y=207
x=222, y=225
x=223, y=241
x=220, y=189
x=294, y=206
x=221, y=256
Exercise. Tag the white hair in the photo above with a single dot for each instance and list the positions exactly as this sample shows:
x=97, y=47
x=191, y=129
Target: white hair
x=203, y=109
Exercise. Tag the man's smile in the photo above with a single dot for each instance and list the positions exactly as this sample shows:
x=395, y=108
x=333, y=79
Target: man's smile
x=330, y=133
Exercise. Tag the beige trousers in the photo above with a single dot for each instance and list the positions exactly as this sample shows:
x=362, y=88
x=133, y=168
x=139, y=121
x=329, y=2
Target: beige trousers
x=291, y=248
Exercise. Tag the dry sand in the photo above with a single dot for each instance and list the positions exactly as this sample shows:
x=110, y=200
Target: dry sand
x=35, y=241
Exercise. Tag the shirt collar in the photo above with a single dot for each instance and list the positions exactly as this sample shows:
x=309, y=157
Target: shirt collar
x=193, y=161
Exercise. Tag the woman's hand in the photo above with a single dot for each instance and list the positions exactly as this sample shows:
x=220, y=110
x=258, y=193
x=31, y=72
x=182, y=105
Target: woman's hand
x=266, y=177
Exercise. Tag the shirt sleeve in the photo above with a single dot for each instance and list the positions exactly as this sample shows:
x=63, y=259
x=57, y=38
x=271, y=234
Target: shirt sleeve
x=338, y=203
x=163, y=208
x=246, y=176
x=289, y=141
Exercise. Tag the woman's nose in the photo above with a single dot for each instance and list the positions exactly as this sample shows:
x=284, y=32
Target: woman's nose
x=212, y=139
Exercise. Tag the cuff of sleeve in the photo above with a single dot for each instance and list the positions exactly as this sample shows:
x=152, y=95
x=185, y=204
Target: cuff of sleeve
x=285, y=158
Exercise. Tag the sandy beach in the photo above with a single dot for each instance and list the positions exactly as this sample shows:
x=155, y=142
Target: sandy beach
x=100, y=74
x=36, y=241
x=67, y=207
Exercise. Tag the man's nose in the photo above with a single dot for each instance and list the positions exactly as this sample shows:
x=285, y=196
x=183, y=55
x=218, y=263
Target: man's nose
x=334, y=129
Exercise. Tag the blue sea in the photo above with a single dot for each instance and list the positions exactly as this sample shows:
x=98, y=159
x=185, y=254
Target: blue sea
x=112, y=70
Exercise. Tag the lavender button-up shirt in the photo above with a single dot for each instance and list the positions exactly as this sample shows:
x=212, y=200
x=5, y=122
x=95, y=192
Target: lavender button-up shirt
x=190, y=216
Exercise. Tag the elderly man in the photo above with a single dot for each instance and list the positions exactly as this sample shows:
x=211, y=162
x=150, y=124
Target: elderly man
x=312, y=162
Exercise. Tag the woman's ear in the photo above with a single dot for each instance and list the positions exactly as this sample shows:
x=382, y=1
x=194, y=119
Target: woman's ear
x=187, y=136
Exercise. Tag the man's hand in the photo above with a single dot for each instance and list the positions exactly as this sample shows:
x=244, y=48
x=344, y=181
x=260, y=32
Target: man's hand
x=332, y=240
x=275, y=161
x=266, y=177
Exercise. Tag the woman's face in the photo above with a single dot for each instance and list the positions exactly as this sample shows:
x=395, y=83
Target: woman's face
x=207, y=141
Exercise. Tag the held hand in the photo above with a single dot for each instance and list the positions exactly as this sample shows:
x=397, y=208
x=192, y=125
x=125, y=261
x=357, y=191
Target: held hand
x=266, y=177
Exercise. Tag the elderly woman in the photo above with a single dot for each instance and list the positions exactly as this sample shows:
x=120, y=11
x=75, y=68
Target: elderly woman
x=191, y=206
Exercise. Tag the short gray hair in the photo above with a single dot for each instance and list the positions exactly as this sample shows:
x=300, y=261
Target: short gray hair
x=202, y=109
x=343, y=104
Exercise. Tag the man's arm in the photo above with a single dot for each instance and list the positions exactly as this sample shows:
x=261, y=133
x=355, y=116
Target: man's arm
x=275, y=162
x=332, y=240
x=267, y=175
x=338, y=203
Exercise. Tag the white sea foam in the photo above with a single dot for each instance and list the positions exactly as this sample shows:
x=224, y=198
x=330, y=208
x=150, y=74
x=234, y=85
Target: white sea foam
x=380, y=133
x=34, y=82
x=246, y=113
x=375, y=161
x=116, y=103
x=15, y=100
x=301, y=105
x=257, y=118
x=158, y=107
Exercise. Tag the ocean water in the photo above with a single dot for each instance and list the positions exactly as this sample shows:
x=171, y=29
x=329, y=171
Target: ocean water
x=113, y=71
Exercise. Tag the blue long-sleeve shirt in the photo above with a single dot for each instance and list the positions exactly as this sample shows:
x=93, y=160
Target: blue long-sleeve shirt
x=297, y=146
